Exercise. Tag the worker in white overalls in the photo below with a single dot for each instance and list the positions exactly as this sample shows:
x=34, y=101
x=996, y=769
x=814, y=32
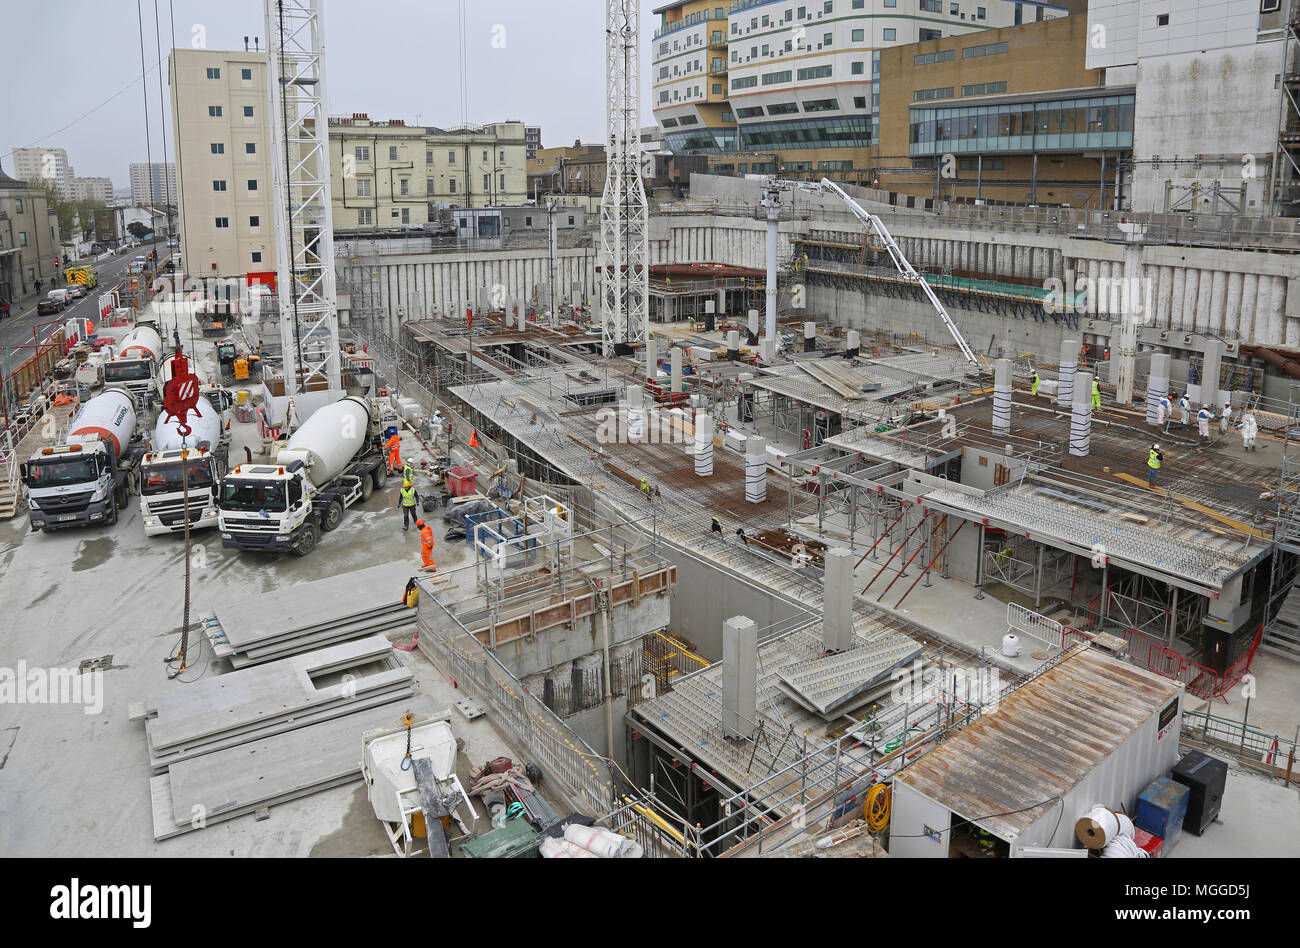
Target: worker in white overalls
x=1162, y=410
x=1225, y=420
x=1203, y=422
x=1249, y=428
x=1185, y=406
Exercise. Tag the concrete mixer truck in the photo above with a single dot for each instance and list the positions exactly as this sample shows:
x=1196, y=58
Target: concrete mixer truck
x=86, y=478
x=176, y=466
x=135, y=366
x=333, y=460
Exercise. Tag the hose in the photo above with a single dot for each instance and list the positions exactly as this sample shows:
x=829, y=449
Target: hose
x=896, y=742
x=876, y=809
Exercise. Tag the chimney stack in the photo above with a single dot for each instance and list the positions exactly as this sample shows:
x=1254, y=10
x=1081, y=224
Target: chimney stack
x=1002, y=395
x=1081, y=415
x=837, y=596
x=739, y=676
x=245, y=44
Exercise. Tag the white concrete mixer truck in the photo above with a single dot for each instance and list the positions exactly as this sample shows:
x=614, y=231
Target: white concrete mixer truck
x=135, y=366
x=87, y=478
x=219, y=398
x=177, y=466
x=333, y=460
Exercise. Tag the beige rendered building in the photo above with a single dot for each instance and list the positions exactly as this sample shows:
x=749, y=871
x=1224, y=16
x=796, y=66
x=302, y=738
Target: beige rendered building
x=387, y=175
x=223, y=146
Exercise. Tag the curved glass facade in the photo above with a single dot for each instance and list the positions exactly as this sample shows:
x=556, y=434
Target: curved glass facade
x=1049, y=125
x=701, y=139
x=840, y=132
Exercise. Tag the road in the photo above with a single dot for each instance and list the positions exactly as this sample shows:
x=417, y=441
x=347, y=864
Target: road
x=17, y=329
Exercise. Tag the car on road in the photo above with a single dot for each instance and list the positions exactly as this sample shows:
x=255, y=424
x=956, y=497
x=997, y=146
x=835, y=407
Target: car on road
x=76, y=290
x=62, y=295
x=48, y=307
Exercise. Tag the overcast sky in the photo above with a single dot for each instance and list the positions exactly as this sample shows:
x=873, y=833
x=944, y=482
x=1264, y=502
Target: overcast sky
x=388, y=58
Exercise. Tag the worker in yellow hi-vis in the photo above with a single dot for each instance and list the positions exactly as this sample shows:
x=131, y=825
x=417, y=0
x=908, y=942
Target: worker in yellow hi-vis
x=1154, y=459
x=1033, y=383
x=1096, y=394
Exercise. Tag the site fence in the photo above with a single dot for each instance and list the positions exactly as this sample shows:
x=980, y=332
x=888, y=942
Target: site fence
x=1247, y=741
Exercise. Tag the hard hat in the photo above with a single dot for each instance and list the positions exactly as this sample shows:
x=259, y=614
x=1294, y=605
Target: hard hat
x=1156, y=446
x=419, y=523
x=406, y=483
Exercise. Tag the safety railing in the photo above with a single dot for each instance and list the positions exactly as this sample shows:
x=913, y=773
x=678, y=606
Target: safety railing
x=1239, y=736
x=1027, y=622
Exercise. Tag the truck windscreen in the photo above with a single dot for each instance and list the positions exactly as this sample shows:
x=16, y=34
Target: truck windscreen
x=52, y=472
x=126, y=371
x=252, y=495
x=165, y=477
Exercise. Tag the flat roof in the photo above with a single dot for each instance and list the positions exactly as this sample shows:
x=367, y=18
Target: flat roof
x=1041, y=741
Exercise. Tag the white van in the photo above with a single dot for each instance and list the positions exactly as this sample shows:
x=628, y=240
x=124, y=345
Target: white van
x=62, y=296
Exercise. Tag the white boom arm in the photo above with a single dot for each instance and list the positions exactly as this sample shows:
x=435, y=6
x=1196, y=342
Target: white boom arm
x=874, y=223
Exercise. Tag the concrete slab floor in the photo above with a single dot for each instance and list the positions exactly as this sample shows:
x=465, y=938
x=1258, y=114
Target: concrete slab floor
x=76, y=783
x=1259, y=819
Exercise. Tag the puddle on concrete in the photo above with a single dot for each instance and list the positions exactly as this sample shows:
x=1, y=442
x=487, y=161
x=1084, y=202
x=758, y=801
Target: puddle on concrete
x=93, y=553
x=360, y=835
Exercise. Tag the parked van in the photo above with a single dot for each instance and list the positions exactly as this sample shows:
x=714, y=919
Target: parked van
x=62, y=296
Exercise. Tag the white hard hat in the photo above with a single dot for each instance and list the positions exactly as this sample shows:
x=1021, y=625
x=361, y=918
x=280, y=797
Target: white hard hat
x=1156, y=447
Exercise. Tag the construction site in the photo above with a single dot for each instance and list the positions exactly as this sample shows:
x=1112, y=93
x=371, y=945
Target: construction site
x=775, y=523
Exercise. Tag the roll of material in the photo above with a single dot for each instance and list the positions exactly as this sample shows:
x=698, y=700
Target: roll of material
x=1102, y=825
x=1011, y=645
x=553, y=848
x=1123, y=847
x=600, y=842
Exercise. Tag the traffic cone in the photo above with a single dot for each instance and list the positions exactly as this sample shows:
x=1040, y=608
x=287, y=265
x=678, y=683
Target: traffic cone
x=473, y=438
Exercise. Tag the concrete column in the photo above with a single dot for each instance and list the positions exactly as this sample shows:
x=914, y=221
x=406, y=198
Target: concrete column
x=1125, y=354
x=1081, y=415
x=837, y=596
x=809, y=337
x=1276, y=310
x=1292, y=332
x=1094, y=274
x=710, y=316
x=703, y=445
x=1178, y=286
x=739, y=677
x=1164, y=290
x=675, y=383
x=1002, y=395
x=767, y=351
x=1191, y=286
x=1070, y=347
x=522, y=312
x=1263, y=301
x=853, y=342
x=756, y=470
x=1232, y=305
x=733, y=344
x=1104, y=307
x=1246, y=320
x=753, y=328
x=1218, y=301
x=1204, y=292
x=651, y=359
x=635, y=413
x=1211, y=369
x=1157, y=385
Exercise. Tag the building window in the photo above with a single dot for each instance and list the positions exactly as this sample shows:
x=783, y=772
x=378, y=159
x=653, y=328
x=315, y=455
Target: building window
x=984, y=88
x=257, y=256
x=22, y=238
x=429, y=186
x=1162, y=19
x=214, y=73
x=222, y=223
x=859, y=35
x=392, y=152
x=214, y=111
x=717, y=88
x=428, y=156
x=930, y=35
x=501, y=182
x=980, y=13
x=858, y=4
x=218, y=185
x=931, y=6
x=954, y=9
x=728, y=117
x=365, y=217
x=501, y=155
x=890, y=35
x=404, y=186
x=750, y=112
x=857, y=68
x=451, y=186
x=826, y=39
x=920, y=95
x=245, y=74
x=255, y=221
x=988, y=49
x=772, y=78
x=18, y=206
x=744, y=82
x=973, y=164
x=782, y=108
x=362, y=152
x=248, y=111
x=826, y=7
x=218, y=148
x=363, y=187
x=250, y=148
x=765, y=49
x=890, y=4
x=485, y=157
x=859, y=101
x=821, y=105
x=570, y=220
x=487, y=182
x=451, y=157
x=252, y=184
x=815, y=72
x=406, y=215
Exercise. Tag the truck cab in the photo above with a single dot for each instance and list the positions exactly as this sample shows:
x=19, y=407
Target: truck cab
x=166, y=477
x=138, y=376
x=76, y=484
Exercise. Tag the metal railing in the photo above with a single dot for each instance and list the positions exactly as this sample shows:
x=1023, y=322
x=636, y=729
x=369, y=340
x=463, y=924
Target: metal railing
x=1238, y=735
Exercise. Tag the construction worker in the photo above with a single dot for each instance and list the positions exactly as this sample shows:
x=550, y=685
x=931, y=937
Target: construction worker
x=1164, y=408
x=407, y=499
x=717, y=526
x=1033, y=383
x=1154, y=459
x=645, y=487
x=1249, y=428
x=1185, y=407
x=408, y=471
x=394, y=447
x=426, y=544
x=1096, y=394
x=1225, y=420
x=1203, y=418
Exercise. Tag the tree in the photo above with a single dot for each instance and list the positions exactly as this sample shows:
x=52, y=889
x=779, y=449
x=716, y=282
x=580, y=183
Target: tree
x=138, y=230
x=67, y=211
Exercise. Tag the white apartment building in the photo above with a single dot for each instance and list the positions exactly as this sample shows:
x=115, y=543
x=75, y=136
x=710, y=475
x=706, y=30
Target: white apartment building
x=43, y=164
x=153, y=183
x=90, y=189
x=1210, y=101
x=222, y=138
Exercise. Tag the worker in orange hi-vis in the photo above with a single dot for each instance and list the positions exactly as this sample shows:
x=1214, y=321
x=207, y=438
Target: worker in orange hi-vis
x=394, y=447
x=426, y=544
x=473, y=438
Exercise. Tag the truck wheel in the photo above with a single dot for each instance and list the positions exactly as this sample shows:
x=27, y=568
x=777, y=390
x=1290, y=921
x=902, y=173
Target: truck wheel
x=367, y=488
x=381, y=476
x=306, y=540
x=332, y=515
